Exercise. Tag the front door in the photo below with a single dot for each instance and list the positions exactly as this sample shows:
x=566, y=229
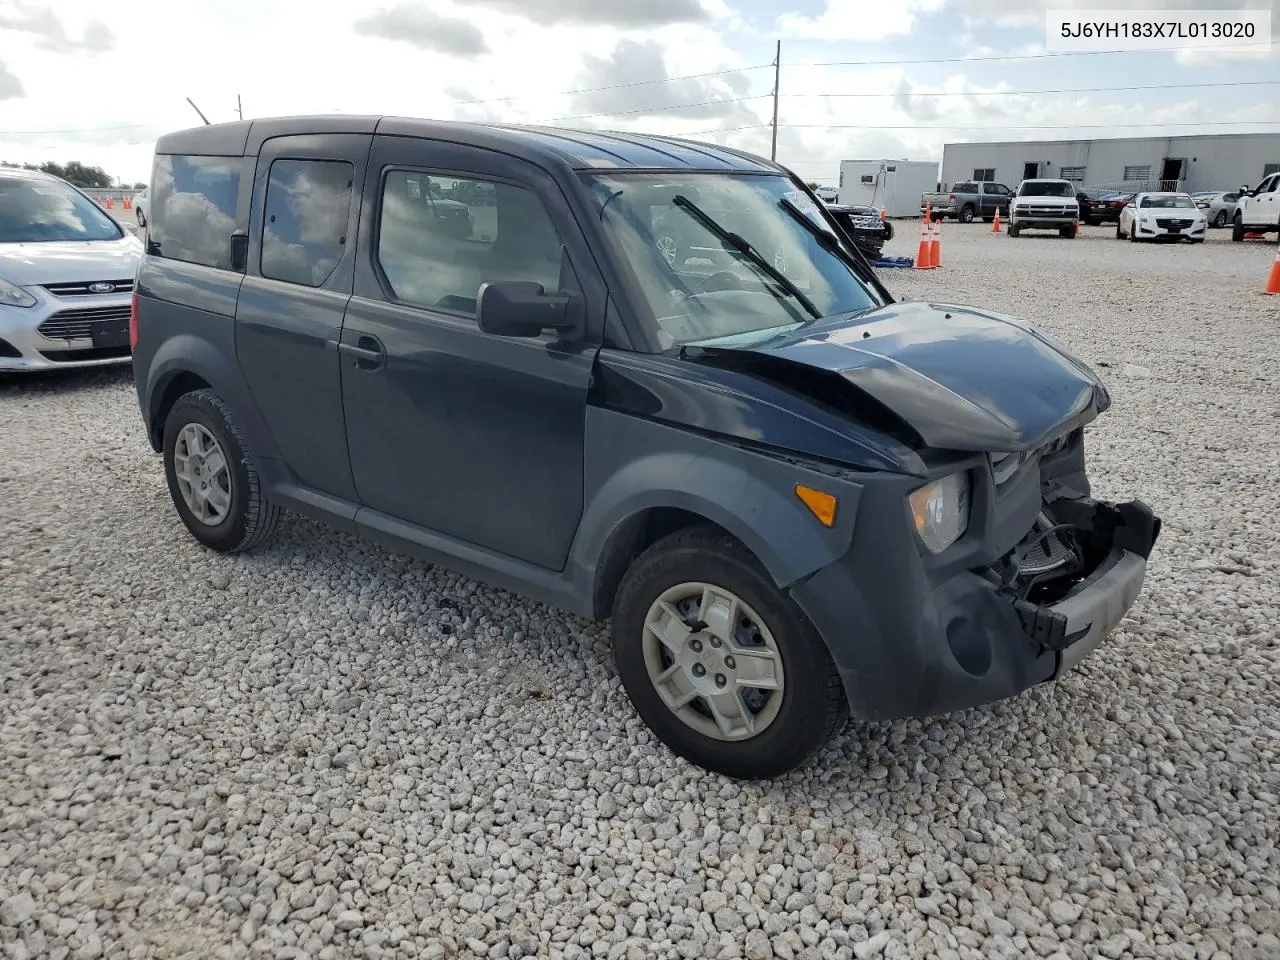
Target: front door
x=451, y=430
x=294, y=295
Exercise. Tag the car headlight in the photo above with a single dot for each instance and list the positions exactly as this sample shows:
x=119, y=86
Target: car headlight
x=15, y=296
x=940, y=511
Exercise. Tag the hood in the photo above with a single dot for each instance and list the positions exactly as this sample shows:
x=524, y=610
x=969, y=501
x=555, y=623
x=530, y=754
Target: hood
x=72, y=261
x=961, y=378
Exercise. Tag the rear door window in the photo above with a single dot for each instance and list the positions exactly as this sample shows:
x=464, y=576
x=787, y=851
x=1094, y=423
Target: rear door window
x=193, y=208
x=304, y=230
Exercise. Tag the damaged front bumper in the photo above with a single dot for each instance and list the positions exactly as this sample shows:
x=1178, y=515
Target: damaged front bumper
x=983, y=635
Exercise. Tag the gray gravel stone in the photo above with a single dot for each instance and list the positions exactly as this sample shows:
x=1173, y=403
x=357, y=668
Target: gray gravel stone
x=342, y=752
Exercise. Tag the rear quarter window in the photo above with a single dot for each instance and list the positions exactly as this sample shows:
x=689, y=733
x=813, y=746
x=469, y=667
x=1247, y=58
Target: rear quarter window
x=193, y=208
x=305, y=221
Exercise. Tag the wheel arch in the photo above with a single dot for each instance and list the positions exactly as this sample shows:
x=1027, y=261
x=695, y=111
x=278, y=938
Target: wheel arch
x=637, y=497
x=185, y=362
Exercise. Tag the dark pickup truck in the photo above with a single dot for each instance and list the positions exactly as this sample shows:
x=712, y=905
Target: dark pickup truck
x=795, y=498
x=968, y=200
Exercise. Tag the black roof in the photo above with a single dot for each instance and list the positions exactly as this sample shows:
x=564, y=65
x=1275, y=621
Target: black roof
x=578, y=149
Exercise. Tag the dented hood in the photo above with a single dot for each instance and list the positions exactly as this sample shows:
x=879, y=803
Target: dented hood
x=961, y=378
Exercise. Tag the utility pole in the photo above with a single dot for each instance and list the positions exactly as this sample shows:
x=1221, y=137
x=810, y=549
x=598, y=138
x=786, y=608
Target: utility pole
x=239, y=108
x=777, y=78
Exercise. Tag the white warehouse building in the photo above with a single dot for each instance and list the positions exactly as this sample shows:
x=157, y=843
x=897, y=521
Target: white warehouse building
x=1210, y=162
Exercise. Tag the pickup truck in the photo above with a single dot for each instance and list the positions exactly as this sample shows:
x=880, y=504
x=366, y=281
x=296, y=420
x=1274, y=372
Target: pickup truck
x=1257, y=210
x=969, y=199
x=1045, y=205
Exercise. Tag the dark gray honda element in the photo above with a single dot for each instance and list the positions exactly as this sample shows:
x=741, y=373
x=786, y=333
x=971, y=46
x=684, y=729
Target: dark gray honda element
x=795, y=498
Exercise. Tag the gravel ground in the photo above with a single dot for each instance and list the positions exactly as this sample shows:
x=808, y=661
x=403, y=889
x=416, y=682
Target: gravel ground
x=326, y=750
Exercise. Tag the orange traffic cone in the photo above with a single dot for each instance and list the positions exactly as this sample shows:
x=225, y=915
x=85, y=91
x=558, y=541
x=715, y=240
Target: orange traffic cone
x=995, y=224
x=883, y=217
x=935, y=245
x=924, y=253
x=110, y=204
x=1273, y=281
x=128, y=203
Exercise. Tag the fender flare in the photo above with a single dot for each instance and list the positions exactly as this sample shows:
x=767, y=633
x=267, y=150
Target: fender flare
x=749, y=495
x=186, y=353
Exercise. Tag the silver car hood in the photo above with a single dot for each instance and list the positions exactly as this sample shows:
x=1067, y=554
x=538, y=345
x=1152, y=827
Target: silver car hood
x=71, y=261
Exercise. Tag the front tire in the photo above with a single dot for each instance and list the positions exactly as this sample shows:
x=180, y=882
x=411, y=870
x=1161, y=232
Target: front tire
x=722, y=666
x=1237, y=228
x=1068, y=233
x=1119, y=232
x=214, y=485
x=1014, y=229
x=142, y=217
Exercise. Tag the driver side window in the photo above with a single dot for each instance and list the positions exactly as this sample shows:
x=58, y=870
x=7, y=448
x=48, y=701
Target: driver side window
x=440, y=238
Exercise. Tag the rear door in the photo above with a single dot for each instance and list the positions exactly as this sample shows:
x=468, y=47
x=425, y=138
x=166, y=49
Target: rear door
x=297, y=283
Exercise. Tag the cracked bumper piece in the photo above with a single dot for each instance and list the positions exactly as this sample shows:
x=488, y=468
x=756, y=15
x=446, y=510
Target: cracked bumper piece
x=940, y=645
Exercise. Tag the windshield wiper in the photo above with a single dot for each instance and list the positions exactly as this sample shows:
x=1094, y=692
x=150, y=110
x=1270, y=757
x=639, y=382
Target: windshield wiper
x=739, y=244
x=825, y=238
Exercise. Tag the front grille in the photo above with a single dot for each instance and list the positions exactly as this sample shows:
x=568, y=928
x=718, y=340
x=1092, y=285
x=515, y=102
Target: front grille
x=1173, y=224
x=1032, y=213
x=78, y=324
x=81, y=288
x=80, y=356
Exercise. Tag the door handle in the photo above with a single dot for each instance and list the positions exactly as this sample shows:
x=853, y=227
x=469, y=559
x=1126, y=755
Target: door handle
x=366, y=353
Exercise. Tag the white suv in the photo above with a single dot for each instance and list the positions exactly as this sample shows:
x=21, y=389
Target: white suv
x=1258, y=210
x=66, y=276
x=1044, y=205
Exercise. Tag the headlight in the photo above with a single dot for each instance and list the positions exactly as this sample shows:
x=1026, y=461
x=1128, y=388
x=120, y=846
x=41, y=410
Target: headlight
x=940, y=511
x=13, y=296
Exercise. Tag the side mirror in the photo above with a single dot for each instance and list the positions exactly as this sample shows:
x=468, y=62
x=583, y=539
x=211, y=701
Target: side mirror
x=520, y=308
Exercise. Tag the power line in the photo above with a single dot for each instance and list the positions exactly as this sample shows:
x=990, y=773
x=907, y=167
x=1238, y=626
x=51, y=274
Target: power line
x=1068, y=126
x=1023, y=93
x=1006, y=57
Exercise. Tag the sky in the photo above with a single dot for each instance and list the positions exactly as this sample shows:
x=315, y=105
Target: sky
x=859, y=79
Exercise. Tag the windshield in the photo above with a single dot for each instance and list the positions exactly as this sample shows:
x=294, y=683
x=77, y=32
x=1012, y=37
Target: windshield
x=42, y=211
x=1167, y=203
x=714, y=255
x=1040, y=188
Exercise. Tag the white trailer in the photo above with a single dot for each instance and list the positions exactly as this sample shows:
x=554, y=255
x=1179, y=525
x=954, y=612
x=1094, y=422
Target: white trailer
x=895, y=185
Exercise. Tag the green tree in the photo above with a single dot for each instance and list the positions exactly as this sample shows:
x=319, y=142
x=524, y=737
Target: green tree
x=77, y=174
x=139, y=186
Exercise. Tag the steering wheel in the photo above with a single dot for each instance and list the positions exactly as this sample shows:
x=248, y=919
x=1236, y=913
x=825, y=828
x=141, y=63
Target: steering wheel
x=716, y=282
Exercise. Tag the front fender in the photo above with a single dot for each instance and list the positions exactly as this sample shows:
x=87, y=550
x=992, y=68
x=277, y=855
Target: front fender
x=635, y=465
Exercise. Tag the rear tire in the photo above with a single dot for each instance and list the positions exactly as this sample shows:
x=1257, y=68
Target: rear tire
x=966, y=215
x=208, y=471
x=1220, y=220
x=785, y=647
x=142, y=217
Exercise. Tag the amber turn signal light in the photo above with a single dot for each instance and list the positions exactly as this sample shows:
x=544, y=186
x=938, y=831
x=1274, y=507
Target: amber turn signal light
x=821, y=505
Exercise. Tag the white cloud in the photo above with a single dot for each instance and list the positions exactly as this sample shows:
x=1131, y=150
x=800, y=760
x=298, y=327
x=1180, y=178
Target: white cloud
x=416, y=25
x=857, y=20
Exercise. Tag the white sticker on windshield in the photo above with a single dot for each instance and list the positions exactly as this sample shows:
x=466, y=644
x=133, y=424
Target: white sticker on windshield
x=804, y=203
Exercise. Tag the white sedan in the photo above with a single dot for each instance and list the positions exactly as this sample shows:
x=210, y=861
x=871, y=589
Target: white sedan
x=1162, y=216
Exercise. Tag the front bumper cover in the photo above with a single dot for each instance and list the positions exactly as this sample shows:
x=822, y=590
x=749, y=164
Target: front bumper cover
x=971, y=638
